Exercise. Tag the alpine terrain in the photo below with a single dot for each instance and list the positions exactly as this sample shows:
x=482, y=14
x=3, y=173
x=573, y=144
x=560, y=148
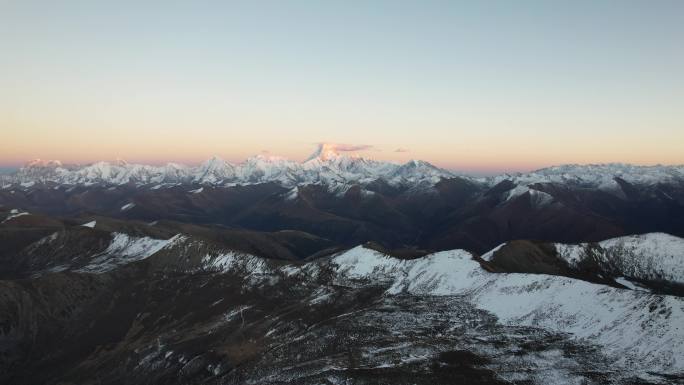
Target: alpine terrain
x=340, y=270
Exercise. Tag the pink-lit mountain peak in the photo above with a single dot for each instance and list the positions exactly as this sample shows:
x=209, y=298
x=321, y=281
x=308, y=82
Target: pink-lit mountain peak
x=330, y=151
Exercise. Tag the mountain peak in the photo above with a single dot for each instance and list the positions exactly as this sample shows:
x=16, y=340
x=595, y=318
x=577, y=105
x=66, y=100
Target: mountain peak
x=213, y=162
x=215, y=165
x=325, y=151
x=330, y=151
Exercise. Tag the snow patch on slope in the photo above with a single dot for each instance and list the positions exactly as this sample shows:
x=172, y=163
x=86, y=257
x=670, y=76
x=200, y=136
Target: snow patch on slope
x=638, y=329
x=654, y=254
x=127, y=206
x=488, y=256
x=537, y=198
x=250, y=266
x=629, y=284
x=124, y=249
x=14, y=214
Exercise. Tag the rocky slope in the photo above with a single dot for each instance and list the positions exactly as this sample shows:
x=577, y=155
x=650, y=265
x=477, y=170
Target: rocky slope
x=186, y=309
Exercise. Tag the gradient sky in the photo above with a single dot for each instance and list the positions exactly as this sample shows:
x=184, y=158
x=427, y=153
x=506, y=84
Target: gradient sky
x=476, y=86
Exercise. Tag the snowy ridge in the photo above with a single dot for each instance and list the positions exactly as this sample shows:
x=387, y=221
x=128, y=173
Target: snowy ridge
x=537, y=198
x=184, y=253
x=639, y=330
x=54, y=253
x=600, y=176
x=124, y=249
x=234, y=261
x=14, y=213
x=327, y=167
x=653, y=256
x=324, y=167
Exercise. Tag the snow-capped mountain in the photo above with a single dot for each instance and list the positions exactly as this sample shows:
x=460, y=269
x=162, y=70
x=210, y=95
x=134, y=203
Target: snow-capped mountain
x=325, y=166
x=211, y=171
x=601, y=176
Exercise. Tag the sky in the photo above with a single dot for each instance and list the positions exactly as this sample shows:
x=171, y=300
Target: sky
x=479, y=86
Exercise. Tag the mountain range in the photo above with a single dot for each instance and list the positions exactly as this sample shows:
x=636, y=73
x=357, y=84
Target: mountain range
x=326, y=167
x=340, y=270
x=351, y=200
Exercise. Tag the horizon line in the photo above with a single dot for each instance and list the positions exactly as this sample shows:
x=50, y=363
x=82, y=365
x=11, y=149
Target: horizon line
x=487, y=171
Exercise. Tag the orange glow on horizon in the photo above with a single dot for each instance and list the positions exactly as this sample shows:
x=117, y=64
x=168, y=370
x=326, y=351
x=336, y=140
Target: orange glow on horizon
x=461, y=86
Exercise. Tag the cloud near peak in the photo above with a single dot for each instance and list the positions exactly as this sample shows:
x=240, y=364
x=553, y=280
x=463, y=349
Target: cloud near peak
x=344, y=147
x=327, y=150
